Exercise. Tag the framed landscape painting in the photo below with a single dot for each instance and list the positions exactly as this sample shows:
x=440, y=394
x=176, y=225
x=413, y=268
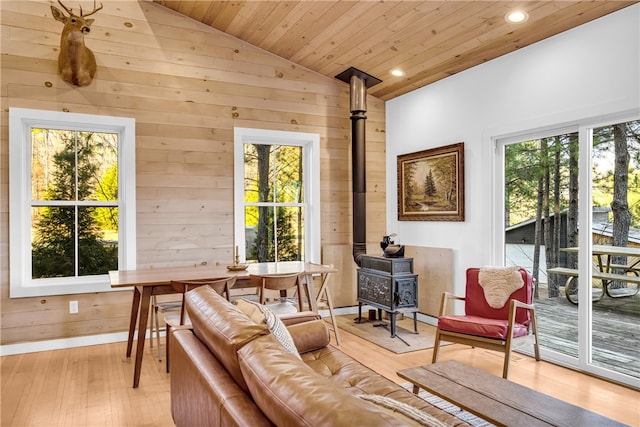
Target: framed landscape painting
x=431, y=184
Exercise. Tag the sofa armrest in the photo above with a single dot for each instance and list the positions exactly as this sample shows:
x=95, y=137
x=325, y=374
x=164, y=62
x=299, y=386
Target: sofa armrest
x=299, y=317
x=202, y=392
x=309, y=336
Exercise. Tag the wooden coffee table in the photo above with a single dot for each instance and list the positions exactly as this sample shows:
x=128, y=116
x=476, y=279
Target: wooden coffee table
x=499, y=401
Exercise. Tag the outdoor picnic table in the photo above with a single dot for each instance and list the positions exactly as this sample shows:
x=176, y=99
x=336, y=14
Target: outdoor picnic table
x=606, y=271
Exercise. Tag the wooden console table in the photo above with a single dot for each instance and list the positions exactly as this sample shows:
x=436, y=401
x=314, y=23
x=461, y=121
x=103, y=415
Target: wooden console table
x=499, y=401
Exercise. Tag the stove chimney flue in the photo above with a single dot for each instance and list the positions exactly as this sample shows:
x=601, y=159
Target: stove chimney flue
x=357, y=94
x=358, y=83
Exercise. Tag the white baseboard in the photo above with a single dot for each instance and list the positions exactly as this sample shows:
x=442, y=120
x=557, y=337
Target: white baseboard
x=62, y=343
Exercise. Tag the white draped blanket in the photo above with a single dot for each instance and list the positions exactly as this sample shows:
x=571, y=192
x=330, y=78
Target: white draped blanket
x=498, y=283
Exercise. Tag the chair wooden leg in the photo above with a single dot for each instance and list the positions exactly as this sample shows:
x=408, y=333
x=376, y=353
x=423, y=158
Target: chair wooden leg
x=168, y=328
x=534, y=327
x=182, y=313
x=300, y=304
x=505, y=367
x=157, y=327
x=151, y=324
x=436, y=347
x=327, y=294
x=507, y=358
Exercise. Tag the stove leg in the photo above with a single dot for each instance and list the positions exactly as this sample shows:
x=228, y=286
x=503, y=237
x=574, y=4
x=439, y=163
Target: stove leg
x=393, y=324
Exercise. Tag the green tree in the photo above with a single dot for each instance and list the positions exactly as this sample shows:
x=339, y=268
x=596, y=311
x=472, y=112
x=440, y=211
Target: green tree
x=59, y=230
x=617, y=192
x=107, y=189
x=409, y=172
x=541, y=178
x=274, y=174
x=430, y=185
x=535, y=184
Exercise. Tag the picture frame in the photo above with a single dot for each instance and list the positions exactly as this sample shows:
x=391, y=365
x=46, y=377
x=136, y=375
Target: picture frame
x=431, y=184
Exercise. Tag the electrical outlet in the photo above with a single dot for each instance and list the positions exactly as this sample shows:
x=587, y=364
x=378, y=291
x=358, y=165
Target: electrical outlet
x=73, y=307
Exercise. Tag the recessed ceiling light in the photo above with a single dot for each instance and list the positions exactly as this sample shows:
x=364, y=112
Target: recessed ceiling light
x=396, y=72
x=516, y=16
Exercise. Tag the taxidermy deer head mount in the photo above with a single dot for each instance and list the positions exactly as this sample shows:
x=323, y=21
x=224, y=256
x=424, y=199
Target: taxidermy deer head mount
x=76, y=63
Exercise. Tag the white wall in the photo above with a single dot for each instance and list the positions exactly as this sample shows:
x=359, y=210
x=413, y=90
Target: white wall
x=588, y=71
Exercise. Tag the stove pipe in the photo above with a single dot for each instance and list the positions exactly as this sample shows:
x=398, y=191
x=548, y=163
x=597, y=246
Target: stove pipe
x=358, y=84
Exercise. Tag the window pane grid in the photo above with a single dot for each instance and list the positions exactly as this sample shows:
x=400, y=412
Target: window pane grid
x=273, y=202
x=74, y=183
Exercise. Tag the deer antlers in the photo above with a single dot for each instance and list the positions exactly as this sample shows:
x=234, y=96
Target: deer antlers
x=69, y=10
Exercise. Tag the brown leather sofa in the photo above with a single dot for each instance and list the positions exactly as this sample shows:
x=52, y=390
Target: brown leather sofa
x=227, y=370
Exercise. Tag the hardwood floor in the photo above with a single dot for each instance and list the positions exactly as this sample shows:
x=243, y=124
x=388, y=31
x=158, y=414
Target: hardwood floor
x=85, y=386
x=91, y=386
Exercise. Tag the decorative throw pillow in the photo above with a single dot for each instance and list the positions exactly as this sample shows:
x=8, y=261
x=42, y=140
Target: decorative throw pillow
x=251, y=309
x=404, y=411
x=261, y=314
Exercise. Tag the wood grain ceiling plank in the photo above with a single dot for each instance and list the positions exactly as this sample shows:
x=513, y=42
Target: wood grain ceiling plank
x=252, y=18
x=268, y=20
x=251, y=26
x=435, y=28
x=199, y=10
x=344, y=29
x=226, y=15
x=278, y=38
x=185, y=7
x=445, y=41
x=247, y=17
x=314, y=23
x=389, y=39
x=350, y=48
x=215, y=8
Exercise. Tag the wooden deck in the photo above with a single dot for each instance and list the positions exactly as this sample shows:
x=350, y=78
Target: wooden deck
x=616, y=328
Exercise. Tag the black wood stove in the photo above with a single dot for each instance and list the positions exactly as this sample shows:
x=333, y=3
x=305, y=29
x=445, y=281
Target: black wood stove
x=388, y=284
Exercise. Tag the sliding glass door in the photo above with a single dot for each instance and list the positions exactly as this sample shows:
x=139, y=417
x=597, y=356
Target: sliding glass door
x=614, y=252
x=571, y=205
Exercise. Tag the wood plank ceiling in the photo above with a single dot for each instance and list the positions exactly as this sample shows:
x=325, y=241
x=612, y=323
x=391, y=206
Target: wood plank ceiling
x=428, y=40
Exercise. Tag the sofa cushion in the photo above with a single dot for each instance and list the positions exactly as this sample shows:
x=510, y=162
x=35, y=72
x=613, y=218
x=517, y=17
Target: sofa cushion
x=222, y=327
x=291, y=394
x=251, y=309
x=261, y=314
x=346, y=372
x=307, y=329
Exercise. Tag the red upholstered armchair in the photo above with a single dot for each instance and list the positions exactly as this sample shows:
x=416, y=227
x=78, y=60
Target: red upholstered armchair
x=498, y=312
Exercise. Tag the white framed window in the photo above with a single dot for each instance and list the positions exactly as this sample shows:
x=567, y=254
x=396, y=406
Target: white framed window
x=276, y=195
x=72, y=211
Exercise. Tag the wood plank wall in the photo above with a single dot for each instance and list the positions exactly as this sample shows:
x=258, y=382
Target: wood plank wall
x=187, y=86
